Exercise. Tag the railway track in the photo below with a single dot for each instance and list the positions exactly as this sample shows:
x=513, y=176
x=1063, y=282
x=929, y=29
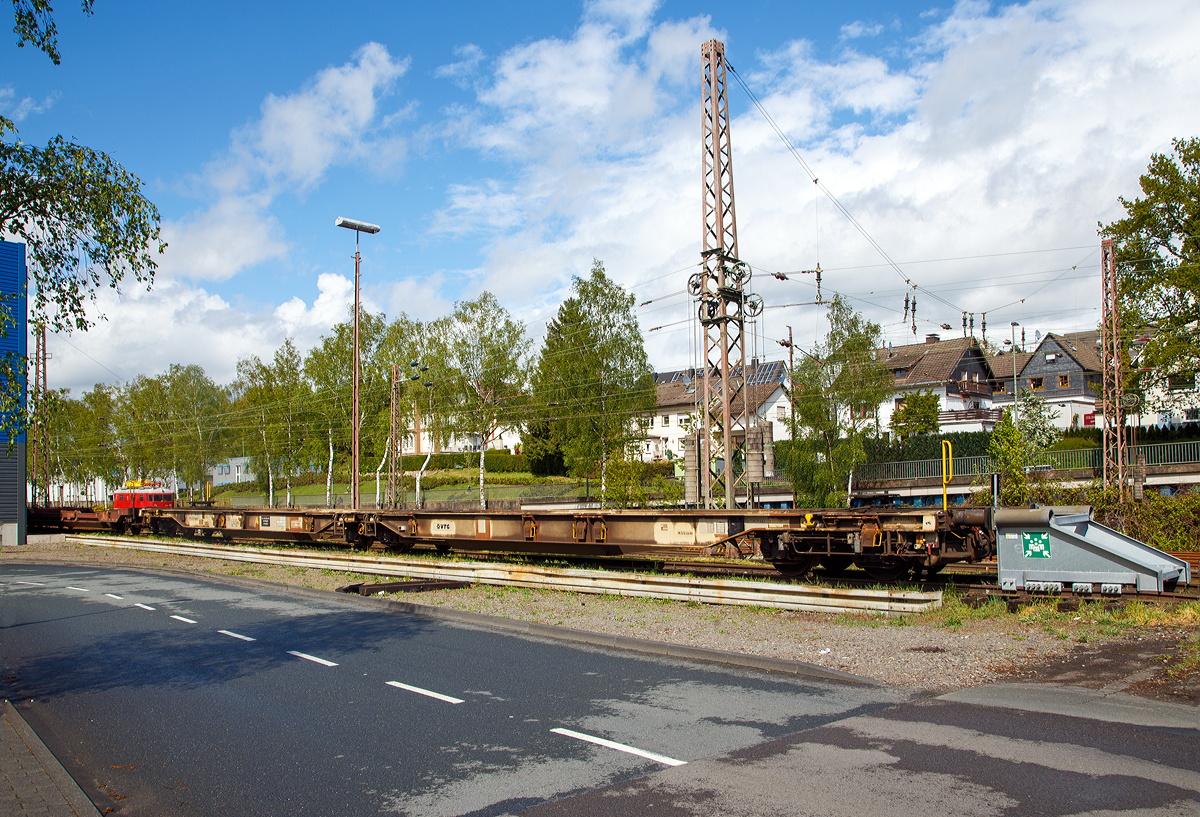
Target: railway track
x=657, y=584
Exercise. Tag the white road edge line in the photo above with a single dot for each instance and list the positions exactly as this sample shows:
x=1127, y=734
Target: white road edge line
x=80, y=589
x=235, y=635
x=184, y=620
x=143, y=606
x=420, y=691
x=621, y=747
x=118, y=598
x=308, y=657
x=35, y=584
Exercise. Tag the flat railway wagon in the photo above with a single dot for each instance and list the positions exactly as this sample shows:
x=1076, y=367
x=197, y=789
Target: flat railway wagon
x=122, y=512
x=886, y=543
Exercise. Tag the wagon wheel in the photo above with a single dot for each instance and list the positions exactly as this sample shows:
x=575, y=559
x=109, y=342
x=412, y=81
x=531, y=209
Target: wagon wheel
x=796, y=569
x=888, y=569
x=836, y=563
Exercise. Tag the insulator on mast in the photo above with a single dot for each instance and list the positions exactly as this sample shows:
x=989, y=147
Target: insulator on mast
x=964, y=323
x=972, y=324
x=914, y=313
x=983, y=328
x=906, y=307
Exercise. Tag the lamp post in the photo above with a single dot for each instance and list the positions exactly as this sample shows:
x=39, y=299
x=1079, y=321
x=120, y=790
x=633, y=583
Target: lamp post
x=358, y=227
x=1013, y=329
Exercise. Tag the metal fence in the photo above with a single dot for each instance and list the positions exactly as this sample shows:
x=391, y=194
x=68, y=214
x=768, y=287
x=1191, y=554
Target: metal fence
x=1083, y=459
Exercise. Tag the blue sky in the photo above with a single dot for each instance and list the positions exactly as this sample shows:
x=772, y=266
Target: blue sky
x=503, y=146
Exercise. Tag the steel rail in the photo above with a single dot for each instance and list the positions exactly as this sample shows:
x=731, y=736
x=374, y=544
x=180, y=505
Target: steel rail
x=648, y=585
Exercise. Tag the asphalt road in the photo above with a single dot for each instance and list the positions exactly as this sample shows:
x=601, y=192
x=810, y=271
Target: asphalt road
x=170, y=695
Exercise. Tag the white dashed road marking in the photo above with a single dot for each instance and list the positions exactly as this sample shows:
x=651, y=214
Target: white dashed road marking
x=420, y=691
x=621, y=747
x=308, y=657
x=118, y=598
x=235, y=635
x=35, y=584
x=80, y=589
x=184, y=620
x=143, y=606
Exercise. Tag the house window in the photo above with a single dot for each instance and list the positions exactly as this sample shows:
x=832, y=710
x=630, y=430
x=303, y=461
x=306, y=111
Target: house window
x=1192, y=415
x=1064, y=381
x=1181, y=382
x=1035, y=384
x=666, y=420
x=781, y=412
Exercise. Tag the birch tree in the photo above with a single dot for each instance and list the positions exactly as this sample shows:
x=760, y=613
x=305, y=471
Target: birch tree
x=480, y=371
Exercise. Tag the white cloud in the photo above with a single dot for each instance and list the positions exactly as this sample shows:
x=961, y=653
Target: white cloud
x=328, y=121
x=858, y=28
x=178, y=323
x=18, y=109
x=1001, y=130
x=334, y=119
x=463, y=71
x=234, y=233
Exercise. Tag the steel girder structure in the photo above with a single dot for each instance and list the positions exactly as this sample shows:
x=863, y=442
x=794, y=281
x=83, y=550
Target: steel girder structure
x=722, y=302
x=1111, y=361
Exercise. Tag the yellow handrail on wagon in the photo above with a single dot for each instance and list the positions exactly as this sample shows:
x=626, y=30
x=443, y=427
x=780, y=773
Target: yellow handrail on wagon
x=947, y=469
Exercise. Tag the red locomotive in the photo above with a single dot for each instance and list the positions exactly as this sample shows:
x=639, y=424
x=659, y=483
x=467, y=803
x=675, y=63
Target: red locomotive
x=142, y=494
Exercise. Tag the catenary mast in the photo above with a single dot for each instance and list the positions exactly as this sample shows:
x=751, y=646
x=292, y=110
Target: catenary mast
x=722, y=303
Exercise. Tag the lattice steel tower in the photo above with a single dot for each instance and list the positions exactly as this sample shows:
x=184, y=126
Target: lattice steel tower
x=1111, y=361
x=722, y=303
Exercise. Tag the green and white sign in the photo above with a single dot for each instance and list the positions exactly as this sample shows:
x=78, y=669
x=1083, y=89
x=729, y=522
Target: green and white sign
x=1036, y=545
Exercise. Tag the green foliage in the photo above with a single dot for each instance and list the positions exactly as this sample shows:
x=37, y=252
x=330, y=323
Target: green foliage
x=918, y=414
x=480, y=371
x=1169, y=523
x=1011, y=456
x=1158, y=255
x=923, y=447
x=593, y=383
x=34, y=23
x=1035, y=421
x=84, y=221
x=836, y=393
x=543, y=449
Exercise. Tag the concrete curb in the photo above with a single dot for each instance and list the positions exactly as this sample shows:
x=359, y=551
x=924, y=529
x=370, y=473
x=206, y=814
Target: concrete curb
x=65, y=784
x=618, y=642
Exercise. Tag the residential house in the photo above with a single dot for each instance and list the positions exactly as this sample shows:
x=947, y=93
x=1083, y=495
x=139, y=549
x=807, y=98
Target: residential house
x=956, y=370
x=1064, y=370
x=677, y=411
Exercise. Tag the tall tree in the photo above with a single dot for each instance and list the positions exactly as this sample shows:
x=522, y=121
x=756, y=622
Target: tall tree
x=256, y=400
x=1158, y=258
x=836, y=393
x=480, y=372
x=196, y=407
x=593, y=380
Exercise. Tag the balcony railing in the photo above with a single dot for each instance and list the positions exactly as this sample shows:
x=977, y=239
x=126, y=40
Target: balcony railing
x=1083, y=459
x=969, y=416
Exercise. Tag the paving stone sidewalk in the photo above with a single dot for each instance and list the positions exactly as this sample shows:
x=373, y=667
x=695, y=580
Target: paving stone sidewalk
x=32, y=781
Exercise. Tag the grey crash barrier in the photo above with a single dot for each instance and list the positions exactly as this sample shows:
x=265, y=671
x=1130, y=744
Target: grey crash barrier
x=1056, y=549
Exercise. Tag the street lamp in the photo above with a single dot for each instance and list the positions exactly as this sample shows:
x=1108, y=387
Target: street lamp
x=1013, y=329
x=358, y=227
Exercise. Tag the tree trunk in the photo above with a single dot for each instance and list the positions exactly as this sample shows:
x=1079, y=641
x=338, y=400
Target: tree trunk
x=603, y=473
x=329, y=473
x=482, y=492
x=288, y=479
x=270, y=470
